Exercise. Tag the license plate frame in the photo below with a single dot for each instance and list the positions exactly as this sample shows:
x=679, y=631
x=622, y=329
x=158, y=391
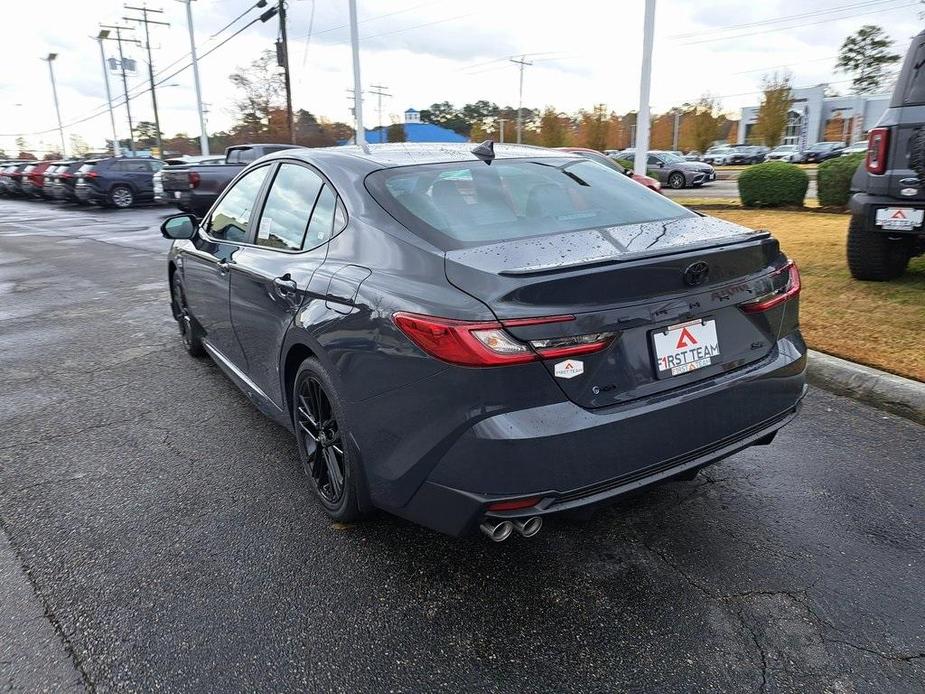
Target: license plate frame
x=899, y=218
x=685, y=347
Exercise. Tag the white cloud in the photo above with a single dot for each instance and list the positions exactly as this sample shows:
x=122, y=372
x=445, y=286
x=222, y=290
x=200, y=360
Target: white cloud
x=430, y=51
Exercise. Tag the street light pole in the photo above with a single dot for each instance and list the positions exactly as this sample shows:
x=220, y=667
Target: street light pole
x=112, y=116
x=54, y=90
x=360, y=137
x=203, y=135
x=379, y=90
x=282, y=50
x=642, y=118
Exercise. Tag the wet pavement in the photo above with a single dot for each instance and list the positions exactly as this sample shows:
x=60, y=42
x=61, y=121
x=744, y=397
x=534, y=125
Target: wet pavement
x=158, y=534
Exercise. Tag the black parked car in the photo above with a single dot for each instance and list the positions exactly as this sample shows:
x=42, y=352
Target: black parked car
x=748, y=154
x=821, y=151
x=117, y=181
x=888, y=206
x=479, y=339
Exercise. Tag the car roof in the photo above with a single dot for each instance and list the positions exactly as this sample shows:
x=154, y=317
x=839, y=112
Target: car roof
x=408, y=154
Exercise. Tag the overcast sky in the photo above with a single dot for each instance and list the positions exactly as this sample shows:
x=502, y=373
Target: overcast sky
x=584, y=52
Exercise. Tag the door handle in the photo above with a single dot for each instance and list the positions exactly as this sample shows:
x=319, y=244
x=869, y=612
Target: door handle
x=285, y=285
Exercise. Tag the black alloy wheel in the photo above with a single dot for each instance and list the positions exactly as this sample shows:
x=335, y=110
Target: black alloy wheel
x=321, y=440
x=676, y=180
x=189, y=331
x=325, y=446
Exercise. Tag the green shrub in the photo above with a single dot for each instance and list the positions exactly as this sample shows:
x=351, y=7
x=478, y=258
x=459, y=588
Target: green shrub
x=773, y=184
x=833, y=179
x=626, y=164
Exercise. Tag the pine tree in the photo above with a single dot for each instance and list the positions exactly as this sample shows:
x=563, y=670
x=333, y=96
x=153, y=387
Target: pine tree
x=866, y=56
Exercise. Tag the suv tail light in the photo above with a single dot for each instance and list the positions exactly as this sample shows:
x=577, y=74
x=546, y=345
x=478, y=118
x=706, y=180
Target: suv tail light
x=878, y=141
x=193, y=179
x=789, y=291
x=474, y=343
x=91, y=174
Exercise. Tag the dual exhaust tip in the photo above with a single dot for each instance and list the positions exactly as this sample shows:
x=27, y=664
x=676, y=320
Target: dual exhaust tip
x=500, y=530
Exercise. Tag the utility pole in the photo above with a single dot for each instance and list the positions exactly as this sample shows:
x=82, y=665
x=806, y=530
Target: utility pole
x=282, y=59
x=502, y=121
x=379, y=90
x=677, y=126
x=360, y=137
x=520, y=98
x=128, y=108
x=203, y=135
x=54, y=90
x=104, y=33
x=144, y=20
x=645, y=79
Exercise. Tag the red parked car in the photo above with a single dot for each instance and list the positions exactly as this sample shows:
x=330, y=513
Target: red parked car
x=33, y=182
x=600, y=158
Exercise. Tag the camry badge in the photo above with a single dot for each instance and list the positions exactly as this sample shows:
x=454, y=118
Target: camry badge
x=696, y=273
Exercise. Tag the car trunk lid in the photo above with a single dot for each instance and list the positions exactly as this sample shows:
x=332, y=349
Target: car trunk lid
x=630, y=281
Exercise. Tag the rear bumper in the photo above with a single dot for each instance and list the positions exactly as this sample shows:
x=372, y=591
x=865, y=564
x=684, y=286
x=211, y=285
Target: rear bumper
x=573, y=457
x=865, y=206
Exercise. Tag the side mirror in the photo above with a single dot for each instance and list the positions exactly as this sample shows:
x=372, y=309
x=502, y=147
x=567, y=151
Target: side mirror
x=629, y=172
x=179, y=227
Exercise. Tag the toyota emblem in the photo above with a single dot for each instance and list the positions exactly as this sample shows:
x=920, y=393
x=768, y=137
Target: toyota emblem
x=696, y=273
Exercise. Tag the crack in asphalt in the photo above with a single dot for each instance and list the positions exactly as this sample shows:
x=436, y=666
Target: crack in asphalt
x=48, y=613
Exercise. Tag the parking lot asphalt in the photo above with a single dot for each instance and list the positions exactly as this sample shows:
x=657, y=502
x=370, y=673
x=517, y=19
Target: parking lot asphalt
x=169, y=539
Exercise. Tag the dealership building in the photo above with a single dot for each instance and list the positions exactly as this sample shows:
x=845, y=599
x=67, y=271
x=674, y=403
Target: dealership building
x=815, y=117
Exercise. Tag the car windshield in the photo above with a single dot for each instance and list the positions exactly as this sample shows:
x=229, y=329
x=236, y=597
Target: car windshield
x=470, y=203
x=822, y=146
x=785, y=148
x=670, y=158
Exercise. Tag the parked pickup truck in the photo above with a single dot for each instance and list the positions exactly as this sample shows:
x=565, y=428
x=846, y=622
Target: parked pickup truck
x=194, y=187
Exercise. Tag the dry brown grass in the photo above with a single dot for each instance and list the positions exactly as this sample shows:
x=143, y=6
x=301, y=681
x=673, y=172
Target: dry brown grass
x=881, y=324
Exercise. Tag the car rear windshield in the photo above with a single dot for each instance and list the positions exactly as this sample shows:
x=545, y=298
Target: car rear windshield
x=470, y=203
x=86, y=167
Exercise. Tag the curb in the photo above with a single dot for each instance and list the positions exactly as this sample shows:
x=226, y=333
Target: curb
x=901, y=396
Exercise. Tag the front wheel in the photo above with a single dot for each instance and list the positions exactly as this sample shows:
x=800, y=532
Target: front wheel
x=324, y=443
x=190, y=333
x=873, y=256
x=121, y=197
x=676, y=181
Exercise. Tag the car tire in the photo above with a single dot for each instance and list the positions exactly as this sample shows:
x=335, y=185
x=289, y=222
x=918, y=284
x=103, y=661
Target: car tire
x=676, y=181
x=121, y=196
x=328, y=458
x=873, y=256
x=190, y=332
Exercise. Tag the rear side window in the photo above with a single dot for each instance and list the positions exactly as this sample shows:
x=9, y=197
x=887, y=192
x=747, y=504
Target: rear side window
x=469, y=204
x=241, y=156
x=913, y=77
x=288, y=209
x=84, y=168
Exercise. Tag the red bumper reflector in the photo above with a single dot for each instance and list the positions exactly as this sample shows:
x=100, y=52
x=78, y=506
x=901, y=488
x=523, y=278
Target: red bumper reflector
x=515, y=504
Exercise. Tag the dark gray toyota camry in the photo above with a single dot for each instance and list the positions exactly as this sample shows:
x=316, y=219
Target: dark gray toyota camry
x=479, y=337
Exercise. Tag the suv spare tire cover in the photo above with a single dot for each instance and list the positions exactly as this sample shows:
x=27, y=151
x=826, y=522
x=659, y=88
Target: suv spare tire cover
x=917, y=153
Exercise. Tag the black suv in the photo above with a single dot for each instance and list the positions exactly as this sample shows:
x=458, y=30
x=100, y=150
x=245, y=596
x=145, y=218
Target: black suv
x=117, y=181
x=888, y=204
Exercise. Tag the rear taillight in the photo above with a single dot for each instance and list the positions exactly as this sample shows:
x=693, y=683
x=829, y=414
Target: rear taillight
x=471, y=343
x=91, y=174
x=67, y=175
x=785, y=293
x=193, y=179
x=878, y=141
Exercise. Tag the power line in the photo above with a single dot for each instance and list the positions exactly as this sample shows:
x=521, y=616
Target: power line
x=777, y=20
x=799, y=26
